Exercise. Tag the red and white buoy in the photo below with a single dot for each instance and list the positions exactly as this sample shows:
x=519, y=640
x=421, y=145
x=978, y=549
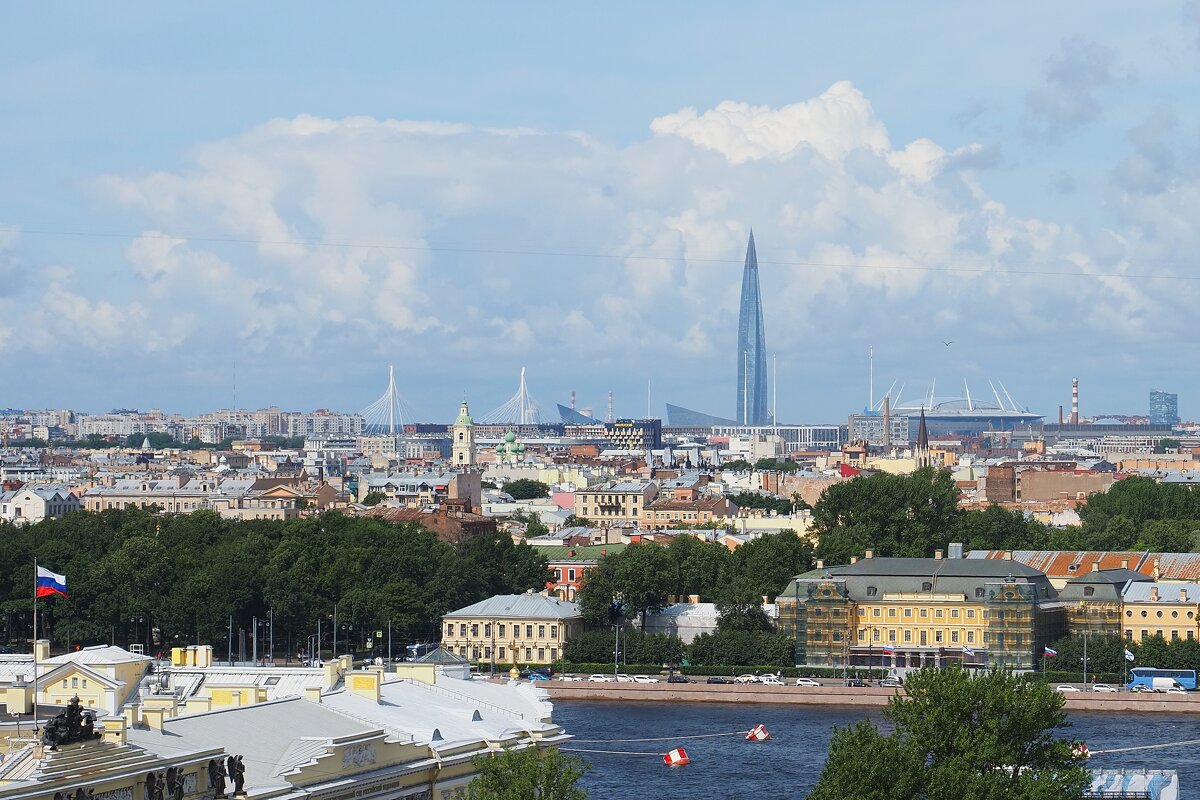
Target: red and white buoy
x=1081, y=751
x=757, y=734
x=676, y=758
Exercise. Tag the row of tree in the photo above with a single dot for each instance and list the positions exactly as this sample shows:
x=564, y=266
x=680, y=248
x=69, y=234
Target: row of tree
x=137, y=577
x=1107, y=654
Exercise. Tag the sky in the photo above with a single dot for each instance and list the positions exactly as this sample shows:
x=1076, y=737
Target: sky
x=271, y=203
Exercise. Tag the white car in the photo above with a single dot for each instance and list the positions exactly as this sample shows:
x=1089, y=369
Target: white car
x=1104, y=688
x=747, y=678
x=599, y=679
x=770, y=680
x=644, y=679
x=623, y=678
x=1177, y=690
x=570, y=678
x=1066, y=687
x=807, y=682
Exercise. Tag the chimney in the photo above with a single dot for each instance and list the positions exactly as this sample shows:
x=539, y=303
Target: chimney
x=887, y=420
x=868, y=554
x=1008, y=555
x=1074, y=401
x=1060, y=415
x=1183, y=598
x=853, y=559
x=939, y=554
x=693, y=598
x=820, y=563
x=1154, y=594
x=1095, y=566
x=956, y=550
x=1124, y=563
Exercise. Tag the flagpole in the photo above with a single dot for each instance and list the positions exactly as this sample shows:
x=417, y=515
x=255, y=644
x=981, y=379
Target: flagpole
x=35, y=649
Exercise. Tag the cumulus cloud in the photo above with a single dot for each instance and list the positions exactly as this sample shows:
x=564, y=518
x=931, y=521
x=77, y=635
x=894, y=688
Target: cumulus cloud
x=1067, y=99
x=470, y=251
x=1153, y=165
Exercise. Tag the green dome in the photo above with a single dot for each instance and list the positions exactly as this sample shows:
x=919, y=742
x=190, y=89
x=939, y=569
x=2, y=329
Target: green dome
x=464, y=416
x=510, y=437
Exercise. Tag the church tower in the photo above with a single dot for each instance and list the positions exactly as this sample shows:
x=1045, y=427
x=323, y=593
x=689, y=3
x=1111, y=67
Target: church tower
x=923, y=457
x=462, y=451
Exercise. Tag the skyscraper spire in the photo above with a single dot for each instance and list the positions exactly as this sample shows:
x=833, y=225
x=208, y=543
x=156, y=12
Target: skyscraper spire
x=752, y=347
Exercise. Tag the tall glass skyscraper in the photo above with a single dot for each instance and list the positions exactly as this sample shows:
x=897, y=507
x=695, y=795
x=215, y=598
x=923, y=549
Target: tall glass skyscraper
x=752, y=348
x=1164, y=408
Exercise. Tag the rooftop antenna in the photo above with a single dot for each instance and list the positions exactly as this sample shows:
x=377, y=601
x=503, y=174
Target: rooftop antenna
x=871, y=377
x=774, y=391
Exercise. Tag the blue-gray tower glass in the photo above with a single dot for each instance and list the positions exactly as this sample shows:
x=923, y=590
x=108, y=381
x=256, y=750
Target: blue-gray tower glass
x=752, y=348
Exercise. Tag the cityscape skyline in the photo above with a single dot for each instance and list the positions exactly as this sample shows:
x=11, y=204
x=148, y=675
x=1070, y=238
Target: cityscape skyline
x=315, y=213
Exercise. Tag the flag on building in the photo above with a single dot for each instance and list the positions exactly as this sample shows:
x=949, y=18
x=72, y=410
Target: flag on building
x=50, y=583
x=887, y=648
x=1129, y=656
x=968, y=651
x=1050, y=652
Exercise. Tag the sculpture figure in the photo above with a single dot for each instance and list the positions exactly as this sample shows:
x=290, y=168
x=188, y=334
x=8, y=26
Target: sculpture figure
x=237, y=774
x=216, y=778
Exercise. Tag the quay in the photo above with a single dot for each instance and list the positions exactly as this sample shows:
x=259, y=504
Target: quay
x=830, y=696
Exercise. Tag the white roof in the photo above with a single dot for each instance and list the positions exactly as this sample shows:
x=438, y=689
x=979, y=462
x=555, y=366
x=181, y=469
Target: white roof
x=100, y=654
x=530, y=605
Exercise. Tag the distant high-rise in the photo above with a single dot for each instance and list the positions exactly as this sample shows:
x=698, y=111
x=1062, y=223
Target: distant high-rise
x=752, y=348
x=1164, y=408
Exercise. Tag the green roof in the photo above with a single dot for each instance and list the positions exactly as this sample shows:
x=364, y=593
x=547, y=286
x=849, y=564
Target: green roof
x=588, y=552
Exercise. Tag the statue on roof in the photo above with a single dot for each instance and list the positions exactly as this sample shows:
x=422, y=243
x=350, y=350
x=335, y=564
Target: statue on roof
x=216, y=778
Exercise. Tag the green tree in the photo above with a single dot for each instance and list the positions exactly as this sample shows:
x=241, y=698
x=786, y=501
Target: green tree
x=374, y=498
x=737, y=465
x=578, y=522
x=775, y=465
x=526, y=489
x=528, y=774
x=903, y=516
x=1169, y=536
x=764, y=566
x=534, y=526
x=1166, y=444
x=958, y=737
x=996, y=528
x=1153, y=651
x=770, y=502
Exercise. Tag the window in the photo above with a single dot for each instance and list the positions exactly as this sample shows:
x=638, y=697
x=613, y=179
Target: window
x=954, y=637
x=553, y=631
x=541, y=631
x=487, y=652
x=1174, y=635
x=875, y=631
x=1145, y=633
x=874, y=612
x=937, y=613
x=502, y=654
x=891, y=635
x=487, y=629
x=571, y=574
x=74, y=683
x=837, y=636
x=970, y=637
x=462, y=629
x=1189, y=635
x=872, y=591
x=1129, y=613
x=927, y=586
x=1174, y=613
x=891, y=613
x=979, y=592
x=970, y=613
x=1088, y=591
x=924, y=613
x=450, y=629
x=954, y=613
x=1158, y=633
x=907, y=635
x=474, y=629
x=528, y=631
x=85, y=681
x=1143, y=613
x=1129, y=635
x=501, y=627
x=541, y=654
x=64, y=683
x=908, y=613
x=937, y=637
x=529, y=654
x=862, y=634
x=553, y=653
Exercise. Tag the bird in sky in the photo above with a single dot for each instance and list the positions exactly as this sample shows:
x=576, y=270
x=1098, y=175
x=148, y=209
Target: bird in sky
x=947, y=343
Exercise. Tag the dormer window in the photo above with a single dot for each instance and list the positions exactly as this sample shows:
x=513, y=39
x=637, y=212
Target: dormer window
x=1088, y=591
x=927, y=586
x=872, y=591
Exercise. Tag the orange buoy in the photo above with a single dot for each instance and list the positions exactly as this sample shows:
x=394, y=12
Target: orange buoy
x=757, y=734
x=1081, y=751
x=676, y=758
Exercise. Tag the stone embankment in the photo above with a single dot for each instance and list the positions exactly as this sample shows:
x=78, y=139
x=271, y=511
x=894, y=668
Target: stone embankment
x=830, y=696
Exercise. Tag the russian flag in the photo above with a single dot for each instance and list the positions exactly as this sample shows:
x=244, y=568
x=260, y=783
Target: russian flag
x=50, y=583
x=1050, y=652
x=887, y=648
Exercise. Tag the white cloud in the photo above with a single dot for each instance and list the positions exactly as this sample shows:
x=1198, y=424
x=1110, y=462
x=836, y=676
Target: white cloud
x=452, y=248
x=1067, y=99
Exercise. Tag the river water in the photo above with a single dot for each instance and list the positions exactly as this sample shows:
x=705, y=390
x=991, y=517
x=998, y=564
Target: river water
x=787, y=766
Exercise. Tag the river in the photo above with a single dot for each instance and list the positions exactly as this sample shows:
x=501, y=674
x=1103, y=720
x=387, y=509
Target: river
x=787, y=766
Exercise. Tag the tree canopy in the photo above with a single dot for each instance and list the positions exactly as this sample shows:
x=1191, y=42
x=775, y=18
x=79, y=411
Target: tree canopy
x=527, y=774
x=958, y=737
x=167, y=580
x=526, y=489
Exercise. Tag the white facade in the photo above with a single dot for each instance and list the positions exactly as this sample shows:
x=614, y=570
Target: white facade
x=32, y=504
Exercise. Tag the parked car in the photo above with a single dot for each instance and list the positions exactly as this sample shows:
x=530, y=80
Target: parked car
x=1066, y=687
x=1104, y=688
x=623, y=678
x=807, y=682
x=859, y=682
x=570, y=678
x=719, y=679
x=1177, y=690
x=1146, y=690
x=747, y=678
x=891, y=682
x=678, y=679
x=644, y=679
x=536, y=676
x=770, y=680
x=599, y=679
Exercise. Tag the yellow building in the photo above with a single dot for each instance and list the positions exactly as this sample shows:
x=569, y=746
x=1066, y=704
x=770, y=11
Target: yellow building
x=530, y=628
x=915, y=612
x=1169, y=610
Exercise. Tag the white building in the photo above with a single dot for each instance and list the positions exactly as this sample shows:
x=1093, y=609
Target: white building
x=30, y=505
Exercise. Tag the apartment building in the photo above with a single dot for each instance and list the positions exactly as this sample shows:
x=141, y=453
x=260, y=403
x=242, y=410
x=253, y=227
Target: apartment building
x=623, y=501
x=30, y=505
x=1169, y=610
x=529, y=628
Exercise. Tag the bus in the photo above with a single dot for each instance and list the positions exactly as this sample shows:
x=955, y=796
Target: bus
x=1152, y=678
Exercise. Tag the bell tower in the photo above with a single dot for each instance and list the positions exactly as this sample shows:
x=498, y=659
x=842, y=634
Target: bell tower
x=462, y=450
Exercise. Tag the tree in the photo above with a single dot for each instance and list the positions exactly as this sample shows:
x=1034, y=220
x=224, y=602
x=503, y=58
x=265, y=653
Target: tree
x=903, y=516
x=374, y=498
x=534, y=526
x=774, y=465
x=528, y=774
x=578, y=522
x=996, y=528
x=737, y=465
x=1166, y=444
x=526, y=489
x=765, y=566
x=958, y=736
x=779, y=505
x=1170, y=536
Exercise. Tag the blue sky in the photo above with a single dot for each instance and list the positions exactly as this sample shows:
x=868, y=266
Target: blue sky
x=213, y=155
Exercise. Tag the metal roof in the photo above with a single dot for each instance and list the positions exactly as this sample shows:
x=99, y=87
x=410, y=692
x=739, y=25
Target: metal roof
x=530, y=605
